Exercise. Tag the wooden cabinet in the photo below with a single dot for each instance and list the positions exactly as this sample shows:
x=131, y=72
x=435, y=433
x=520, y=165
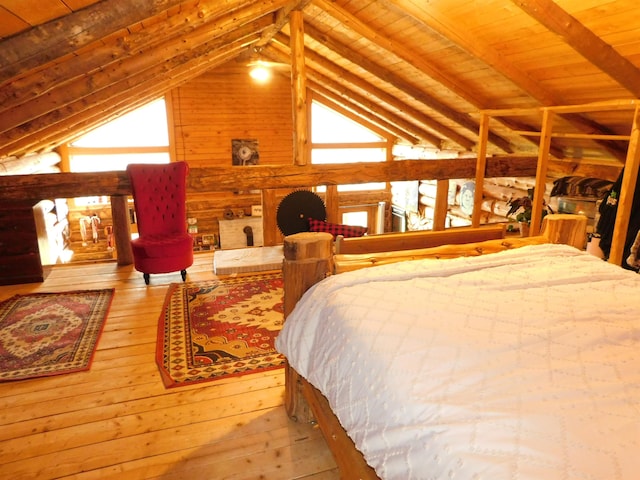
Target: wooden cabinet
x=19, y=254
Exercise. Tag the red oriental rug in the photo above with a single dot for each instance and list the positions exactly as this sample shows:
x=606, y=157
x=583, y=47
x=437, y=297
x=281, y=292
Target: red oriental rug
x=44, y=334
x=220, y=328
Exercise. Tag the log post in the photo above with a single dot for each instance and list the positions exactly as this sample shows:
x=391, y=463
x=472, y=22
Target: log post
x=442, y=205
x=269, y=221
x=625, y=203
x=307, y=260
x=121, y=229
x=333, y=204
x=565, y=228
x=299, y=88
x=481, y=167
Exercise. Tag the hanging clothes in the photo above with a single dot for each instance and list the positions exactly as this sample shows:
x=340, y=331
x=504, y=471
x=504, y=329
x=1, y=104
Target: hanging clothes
x=95, y=223
x=85, y=224
x=608, y=210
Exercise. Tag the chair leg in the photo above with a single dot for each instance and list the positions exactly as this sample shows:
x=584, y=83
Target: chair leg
x=146, y=277
x=184, y=275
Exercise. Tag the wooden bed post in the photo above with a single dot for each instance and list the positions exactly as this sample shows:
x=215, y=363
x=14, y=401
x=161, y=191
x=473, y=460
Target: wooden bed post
x=307, y=260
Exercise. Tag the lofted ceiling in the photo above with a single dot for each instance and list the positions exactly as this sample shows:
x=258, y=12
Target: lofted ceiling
x=422, y=71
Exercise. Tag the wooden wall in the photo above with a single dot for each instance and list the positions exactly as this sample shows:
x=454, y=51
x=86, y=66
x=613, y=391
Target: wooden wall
x=207, y=113
x=226, y=104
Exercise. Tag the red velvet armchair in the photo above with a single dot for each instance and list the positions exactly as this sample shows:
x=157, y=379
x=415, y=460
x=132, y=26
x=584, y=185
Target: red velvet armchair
x=159, y=194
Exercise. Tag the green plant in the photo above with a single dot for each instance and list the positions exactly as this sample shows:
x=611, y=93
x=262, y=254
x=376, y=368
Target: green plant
x=523, y=206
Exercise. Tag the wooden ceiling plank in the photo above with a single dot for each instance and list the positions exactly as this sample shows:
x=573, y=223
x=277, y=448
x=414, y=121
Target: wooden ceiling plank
x=170, y=68
x=398, y=49
x=101, y=112
x=54, y=39
x=32, y=11
x=10, y=23
x=431, y=18
x=584, y=41
x=216, y=22
x=86, y=86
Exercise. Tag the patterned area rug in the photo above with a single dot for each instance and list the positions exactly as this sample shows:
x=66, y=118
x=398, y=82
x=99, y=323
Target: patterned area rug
x=220, y=328
x=45, y=334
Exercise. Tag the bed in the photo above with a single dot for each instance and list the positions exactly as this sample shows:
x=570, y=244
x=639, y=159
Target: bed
x=509, y=358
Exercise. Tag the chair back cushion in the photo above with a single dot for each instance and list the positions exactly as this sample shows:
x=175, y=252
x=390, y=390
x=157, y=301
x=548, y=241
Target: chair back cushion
x=159, y=194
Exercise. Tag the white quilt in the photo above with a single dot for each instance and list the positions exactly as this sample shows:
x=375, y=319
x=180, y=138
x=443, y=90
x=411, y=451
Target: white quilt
x=518, y=365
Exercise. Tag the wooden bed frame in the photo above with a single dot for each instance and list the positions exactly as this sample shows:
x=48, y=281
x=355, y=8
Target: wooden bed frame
x=309, y=257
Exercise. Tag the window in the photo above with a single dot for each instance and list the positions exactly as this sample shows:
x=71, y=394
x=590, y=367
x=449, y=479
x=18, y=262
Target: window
x=338, y=139
x=141, y=136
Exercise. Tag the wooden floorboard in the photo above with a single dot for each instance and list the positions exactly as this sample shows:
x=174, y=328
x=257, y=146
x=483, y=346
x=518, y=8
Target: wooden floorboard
x=117, y=420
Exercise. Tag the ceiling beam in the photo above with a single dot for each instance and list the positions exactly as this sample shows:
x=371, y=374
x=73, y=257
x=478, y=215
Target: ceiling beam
x=129, y=65
x=57, y=38
x=347, y=77
x=282, y=18
x=352, y=80
x=584, y=41
x=391, y=78
x=152, y=81
x=128, y=44
x=430, y=18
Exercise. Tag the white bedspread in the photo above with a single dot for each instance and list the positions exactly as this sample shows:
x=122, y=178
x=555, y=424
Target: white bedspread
x=518, y=365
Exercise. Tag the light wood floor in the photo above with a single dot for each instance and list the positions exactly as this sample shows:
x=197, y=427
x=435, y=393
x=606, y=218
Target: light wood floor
x=118, y=421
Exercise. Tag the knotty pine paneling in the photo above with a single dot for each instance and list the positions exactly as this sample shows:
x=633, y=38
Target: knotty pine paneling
x=227, y=104
x=219, y=106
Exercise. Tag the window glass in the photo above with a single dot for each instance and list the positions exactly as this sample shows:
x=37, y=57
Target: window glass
x=143, y=127
x=347, y=155
x=110, y=162
x=329, y=126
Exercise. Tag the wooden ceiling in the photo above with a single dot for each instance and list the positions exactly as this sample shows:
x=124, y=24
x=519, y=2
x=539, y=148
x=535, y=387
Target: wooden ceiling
x=420, y=70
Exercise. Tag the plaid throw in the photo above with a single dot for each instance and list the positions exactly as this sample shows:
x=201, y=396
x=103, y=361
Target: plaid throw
x=336, y=229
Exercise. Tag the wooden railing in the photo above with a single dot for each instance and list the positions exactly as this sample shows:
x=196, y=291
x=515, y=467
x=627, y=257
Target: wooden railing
x=33, y=188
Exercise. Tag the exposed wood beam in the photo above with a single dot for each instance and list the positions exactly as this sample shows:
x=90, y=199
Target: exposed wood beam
x=387, y=76
x=401, y=127
x=347, y=77
x=60, y=37
x=299, y=90
x=282, y=17
x=457, y=34
x=118, y=97
x=348, y=92
x=214, y=179
x=355, y=113
x=584, y=41
x=130, y=65
x=129, y=43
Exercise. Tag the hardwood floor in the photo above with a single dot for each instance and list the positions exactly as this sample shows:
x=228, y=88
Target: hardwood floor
x=118, y=421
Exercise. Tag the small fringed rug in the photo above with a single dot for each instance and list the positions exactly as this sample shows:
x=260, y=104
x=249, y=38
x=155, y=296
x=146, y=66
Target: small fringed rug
x=220, y=328
x=44, y=334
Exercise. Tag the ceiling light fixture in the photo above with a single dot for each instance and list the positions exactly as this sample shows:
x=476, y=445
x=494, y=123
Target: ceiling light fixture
x=259, y=72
